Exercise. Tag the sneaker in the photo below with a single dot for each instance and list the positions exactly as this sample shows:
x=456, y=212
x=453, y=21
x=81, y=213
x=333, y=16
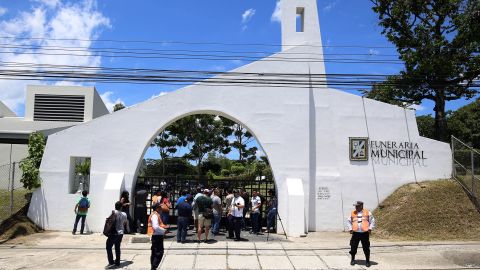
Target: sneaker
x=367, y=264
x=352, y=262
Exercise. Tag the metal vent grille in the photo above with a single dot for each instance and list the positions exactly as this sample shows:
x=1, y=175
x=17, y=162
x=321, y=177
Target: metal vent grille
x=65, y=108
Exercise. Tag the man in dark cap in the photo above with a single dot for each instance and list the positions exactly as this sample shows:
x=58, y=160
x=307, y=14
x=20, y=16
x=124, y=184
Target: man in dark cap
x=184, y=214
x=360, y=223
x=156, y=229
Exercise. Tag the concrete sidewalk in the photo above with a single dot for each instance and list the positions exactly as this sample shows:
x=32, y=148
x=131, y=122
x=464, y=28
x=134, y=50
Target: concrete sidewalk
x=60, y=250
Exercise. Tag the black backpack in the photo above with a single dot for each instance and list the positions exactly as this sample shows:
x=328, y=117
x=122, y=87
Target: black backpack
x=110, y=225
x=208, y=214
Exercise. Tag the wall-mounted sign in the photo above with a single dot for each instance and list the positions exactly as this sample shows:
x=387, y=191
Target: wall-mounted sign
x=323, y=193
x=386, y=152
x=358, y=148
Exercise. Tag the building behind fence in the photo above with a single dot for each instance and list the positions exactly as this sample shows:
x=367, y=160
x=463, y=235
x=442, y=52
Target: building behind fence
x=466, y=168
x=12, y=193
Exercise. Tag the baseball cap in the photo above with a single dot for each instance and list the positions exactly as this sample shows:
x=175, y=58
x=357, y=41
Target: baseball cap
x=355, y=203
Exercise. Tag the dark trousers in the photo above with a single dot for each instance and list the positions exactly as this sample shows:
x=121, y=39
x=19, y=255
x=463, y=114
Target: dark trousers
x=272, y=213
x=141, y=219
x=255, y=223
x=76, y=223
x=114, y=240
x=182, y=227
x=157, y=251
x=230, y=219
x=237, y=225
x=360, y=237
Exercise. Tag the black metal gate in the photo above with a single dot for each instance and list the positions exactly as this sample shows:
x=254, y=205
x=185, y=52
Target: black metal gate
x=174, y=185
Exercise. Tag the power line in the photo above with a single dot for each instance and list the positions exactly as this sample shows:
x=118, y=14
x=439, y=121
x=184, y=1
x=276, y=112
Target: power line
x=167, y=42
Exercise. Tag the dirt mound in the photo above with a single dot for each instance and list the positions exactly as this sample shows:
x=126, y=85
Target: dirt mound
x=433, y=210
x=17, y=225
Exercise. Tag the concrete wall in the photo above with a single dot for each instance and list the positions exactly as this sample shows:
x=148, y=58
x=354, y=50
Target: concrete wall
x=303, y=131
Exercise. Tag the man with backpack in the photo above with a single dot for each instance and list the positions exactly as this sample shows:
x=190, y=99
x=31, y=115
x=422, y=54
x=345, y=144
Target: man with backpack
x=205, y=214
x=81, y=209
x=115, y=226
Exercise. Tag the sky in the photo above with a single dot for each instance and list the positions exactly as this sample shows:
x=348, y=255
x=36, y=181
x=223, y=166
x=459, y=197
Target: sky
x=175, y=25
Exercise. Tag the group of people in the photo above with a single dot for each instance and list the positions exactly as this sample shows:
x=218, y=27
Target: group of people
x=206, y=208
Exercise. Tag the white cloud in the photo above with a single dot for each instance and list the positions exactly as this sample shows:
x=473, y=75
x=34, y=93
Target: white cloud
x=330, y=6
x=247, y=15
x=2, y=11
x=373, y=52
x=49, y=3
x=50, y=23
x=109, y=102
x=277, y=13
x=416, y=107
x=219, y=68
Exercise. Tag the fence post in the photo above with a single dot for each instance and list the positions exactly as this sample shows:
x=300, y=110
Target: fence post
x=454, y=175
x=12, y=186
x=474, y=185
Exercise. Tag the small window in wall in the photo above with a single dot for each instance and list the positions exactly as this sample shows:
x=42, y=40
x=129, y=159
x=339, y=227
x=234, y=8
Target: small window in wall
x=300, y=19
x=79, y=174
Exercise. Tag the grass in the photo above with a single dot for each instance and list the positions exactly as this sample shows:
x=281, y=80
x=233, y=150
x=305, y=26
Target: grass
x=428, y=211
x=19, y=200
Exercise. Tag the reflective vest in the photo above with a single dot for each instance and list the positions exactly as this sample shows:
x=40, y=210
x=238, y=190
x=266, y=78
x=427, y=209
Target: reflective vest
x=160, y=223
x=365, y=220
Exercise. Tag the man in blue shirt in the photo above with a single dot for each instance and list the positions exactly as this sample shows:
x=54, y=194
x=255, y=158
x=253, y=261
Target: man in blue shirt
x=182, y=197
x=184, y=214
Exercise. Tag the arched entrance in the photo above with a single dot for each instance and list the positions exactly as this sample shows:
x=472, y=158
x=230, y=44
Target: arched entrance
x=230, y=158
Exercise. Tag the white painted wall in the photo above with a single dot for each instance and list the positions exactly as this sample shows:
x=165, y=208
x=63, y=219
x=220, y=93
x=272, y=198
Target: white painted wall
x=304, y=133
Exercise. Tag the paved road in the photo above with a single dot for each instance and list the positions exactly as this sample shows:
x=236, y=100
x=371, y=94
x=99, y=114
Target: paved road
x=60, y=250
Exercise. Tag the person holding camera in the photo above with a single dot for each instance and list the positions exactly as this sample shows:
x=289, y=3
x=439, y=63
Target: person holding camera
x=238, y=203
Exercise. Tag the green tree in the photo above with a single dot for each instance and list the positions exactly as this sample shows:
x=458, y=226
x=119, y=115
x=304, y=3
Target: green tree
x=167, y=144
x=464, y=124
x=118, y=107
x=426, y=125
x=201, y=134
x=242, y=138
x=31, y=164
x=439, y=42
x=237, y=169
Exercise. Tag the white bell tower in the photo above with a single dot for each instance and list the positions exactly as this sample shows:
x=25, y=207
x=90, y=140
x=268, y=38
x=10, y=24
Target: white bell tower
x=300, y=24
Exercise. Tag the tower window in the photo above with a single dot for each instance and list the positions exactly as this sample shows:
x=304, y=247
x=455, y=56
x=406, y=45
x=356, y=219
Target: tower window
x=300, y=19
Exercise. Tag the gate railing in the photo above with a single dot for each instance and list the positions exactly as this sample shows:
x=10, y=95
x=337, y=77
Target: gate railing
x=12, y=194
x=466, y=168
x=173, y=185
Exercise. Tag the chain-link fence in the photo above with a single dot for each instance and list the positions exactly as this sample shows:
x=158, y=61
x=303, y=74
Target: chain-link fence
x=12, y=194
x=466, y=167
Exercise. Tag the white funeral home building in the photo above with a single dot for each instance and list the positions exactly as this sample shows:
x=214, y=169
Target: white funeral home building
x=327, y=148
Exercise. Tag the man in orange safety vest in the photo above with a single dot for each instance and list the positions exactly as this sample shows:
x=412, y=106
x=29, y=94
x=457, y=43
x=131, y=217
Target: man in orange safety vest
x=360, y=224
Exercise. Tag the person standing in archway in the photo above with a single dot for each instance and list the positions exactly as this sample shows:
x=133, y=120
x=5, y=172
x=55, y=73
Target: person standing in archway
x=360, y=224
x=156, y=229
x=125, y=200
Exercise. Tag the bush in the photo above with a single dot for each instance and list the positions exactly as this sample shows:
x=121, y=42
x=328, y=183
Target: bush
x=31, y=164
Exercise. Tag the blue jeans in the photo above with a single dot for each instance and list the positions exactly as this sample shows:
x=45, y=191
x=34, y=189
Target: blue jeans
x=182, y=227
x=271, y=218
x=216, y=223
x=255, y=216
x=165, y=217
x=77, y=218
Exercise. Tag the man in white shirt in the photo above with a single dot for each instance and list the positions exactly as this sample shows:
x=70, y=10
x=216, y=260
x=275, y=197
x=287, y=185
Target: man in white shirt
x=255, y=214
x=157, y=236
x=121, y=226
x=360, y=224
x=237, y=212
